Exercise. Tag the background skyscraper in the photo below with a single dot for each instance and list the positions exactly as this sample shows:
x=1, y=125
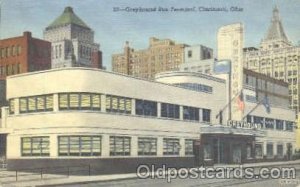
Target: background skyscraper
x=161, y=55
x=277, y=57
x=72, y=42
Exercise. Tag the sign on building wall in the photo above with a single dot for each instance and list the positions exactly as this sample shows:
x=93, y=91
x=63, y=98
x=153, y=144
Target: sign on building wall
x=230, y=47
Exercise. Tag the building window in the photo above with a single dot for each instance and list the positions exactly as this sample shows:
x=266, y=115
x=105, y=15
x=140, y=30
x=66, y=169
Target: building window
x=79, y=101
x=147, y=146
x=249, y=151
x=13, y=69
x=12, y=50
x=56, y=51
x=35, y=146
x=289, y=125
x=189, y=147
x=279, y=124
x=249, y=119
x=280, y=151
x=11, y=106
x=119, y=146
x=195, y=86
x=2, y=52
x=42, y=103
x=79, y=145
x=251, y=99
x=269, y=150
x=145, y=108
x=206, y=115
x=258, y=120
x=190, y=54
x=7, y=70
x=8, y=50
x=2, y=71
x=118, y=104
x=190, y=113
x=19, y=50
x=269, y=123
x=258, y=150
x=59, y=51
x=169, y=110
x=171, y=146
x=15, y=50
x=207, y=152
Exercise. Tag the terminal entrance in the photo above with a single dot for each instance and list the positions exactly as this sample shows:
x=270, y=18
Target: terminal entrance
x=227, y=148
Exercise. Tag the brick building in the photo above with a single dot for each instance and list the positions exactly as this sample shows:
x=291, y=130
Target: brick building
x=161, y=55
x=96, y=59
x=23, y=54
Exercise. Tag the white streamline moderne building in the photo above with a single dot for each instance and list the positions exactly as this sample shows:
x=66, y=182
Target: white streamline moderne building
x=113, y=122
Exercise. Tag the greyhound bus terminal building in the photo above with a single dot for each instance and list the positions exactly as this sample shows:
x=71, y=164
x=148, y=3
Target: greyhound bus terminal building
x=85, y=116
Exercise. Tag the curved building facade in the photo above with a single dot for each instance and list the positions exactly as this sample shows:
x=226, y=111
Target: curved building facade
x=76, y=115
x=113, y=122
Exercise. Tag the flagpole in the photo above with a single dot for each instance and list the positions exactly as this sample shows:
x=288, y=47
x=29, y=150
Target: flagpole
x=229, y=103
x=253, y=109
x=229, y=94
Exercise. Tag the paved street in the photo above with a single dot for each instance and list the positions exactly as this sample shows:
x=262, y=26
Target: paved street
x=8, y=178
x=195, y=182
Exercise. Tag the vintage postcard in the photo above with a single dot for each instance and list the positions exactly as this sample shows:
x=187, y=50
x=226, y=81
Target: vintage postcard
x=149, y=93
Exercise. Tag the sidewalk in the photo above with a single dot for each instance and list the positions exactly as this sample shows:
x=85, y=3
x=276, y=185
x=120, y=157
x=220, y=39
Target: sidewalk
x=56, y=180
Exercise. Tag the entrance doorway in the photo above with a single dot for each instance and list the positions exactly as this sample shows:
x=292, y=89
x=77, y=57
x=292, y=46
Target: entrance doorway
x=226, y=148
x=237, y=154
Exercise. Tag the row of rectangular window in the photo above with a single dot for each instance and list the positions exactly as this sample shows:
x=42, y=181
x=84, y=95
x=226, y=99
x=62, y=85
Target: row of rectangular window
x=40, y=103
x=10, y=51
x=270, y=123
x=196, y=87
x=10, y=69
x=118, y=104
x=91, y=146
x=280, y=152
x=115, y=104
x=79, y=101
x=208, y=150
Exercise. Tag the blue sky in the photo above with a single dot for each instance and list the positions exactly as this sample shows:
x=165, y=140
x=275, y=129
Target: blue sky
x=112, y=29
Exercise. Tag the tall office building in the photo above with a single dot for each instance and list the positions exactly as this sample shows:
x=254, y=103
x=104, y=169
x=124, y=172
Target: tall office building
x=161, y=55
x=277, y=58
x=72, y=42
x=230, y=47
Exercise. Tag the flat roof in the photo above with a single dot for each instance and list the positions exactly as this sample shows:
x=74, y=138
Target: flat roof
x=188, y=73
x=265, y=77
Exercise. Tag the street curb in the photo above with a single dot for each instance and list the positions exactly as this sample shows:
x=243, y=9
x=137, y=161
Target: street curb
x=136, y=177
x=86, y=182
